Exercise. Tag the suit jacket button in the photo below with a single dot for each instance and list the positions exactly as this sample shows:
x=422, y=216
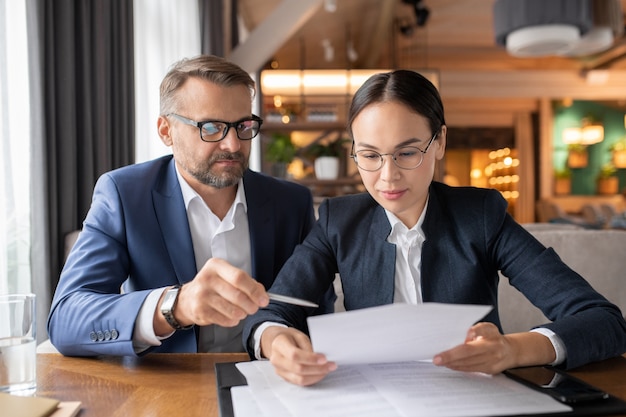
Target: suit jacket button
x=114, y=334
x=93, y=336
x=107, y=335
x=100, y=336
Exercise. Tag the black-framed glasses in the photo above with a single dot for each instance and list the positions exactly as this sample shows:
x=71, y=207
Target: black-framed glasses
x=216, y=130
x=407, y=157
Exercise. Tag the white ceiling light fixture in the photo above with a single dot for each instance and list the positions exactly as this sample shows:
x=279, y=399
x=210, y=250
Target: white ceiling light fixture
x=535, y=28
x=351, y=52
x=329, y=50
x=532, y=28
x=607, y=26
x=596, y=40
x=330, y=6
x=542, y=40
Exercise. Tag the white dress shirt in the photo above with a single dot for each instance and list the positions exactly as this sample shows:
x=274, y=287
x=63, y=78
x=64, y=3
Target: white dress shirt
x=228, y=239
x=408, y=242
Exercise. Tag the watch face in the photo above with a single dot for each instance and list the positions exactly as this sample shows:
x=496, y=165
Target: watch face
x=168, y=301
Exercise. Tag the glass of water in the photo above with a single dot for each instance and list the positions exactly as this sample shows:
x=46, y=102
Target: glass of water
x=18, y=344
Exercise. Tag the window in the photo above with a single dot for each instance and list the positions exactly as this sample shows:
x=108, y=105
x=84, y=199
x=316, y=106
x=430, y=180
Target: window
x=15, y=134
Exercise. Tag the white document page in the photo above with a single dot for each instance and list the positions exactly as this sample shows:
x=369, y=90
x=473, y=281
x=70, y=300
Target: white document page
x=394, y=332
x=404, y=389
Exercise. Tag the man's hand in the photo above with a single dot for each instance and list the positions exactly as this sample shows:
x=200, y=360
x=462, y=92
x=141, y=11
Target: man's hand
x=291, y=353
x=487, y=350
x=219, y=294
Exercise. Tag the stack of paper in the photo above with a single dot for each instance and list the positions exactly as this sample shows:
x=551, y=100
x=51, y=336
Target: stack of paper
x=378, y=351
x=393, y=389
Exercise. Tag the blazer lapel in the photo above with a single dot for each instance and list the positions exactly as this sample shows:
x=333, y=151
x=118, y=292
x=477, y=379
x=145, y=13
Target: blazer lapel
x=379, y=263
x=438, y=268
x=172, y=216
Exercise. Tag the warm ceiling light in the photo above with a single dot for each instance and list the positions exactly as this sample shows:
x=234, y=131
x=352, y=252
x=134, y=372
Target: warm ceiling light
x=572, y=135
x=476, y=173
x=314, y=82
x=591, y=134
x=592, y=131
x=331, y=80
x=322, y=82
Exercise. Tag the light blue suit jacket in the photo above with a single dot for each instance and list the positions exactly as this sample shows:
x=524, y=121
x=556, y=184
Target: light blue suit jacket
x=136, y=234
x=469, y=238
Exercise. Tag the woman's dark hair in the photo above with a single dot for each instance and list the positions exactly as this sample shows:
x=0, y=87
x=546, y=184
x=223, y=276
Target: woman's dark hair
x=404, y=86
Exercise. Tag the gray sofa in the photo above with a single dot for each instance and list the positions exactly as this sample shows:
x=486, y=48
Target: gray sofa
x=598, y=255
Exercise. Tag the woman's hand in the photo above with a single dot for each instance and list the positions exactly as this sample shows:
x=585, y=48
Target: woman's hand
x=291, y=353
x=487, y=350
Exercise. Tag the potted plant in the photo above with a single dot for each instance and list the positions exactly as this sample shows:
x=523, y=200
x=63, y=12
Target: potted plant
x=608, y=183
x=326, y=157
x=577, y=156
x=280, y=151
x=563, y=181
x=618, y=153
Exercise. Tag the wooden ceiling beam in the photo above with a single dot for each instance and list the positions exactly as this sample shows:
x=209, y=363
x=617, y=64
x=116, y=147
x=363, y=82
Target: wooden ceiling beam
x=373, y=41
x=265, y=39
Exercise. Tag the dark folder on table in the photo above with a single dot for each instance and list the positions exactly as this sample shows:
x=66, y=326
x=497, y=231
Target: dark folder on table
x=228, y=376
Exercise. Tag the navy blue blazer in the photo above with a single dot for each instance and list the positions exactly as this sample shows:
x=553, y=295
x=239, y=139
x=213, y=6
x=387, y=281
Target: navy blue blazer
x=137, y=234
x=469, y=238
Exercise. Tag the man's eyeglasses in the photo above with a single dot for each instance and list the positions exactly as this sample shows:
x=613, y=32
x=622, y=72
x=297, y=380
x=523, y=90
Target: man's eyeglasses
x=216, y=130
x=408, y=157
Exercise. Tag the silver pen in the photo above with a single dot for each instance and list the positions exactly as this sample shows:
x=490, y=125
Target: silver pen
x=291, y=300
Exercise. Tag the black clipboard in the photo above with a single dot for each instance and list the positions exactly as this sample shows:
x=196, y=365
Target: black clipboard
x=227, y=376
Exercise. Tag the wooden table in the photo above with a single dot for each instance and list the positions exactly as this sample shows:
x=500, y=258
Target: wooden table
x=153, y=385
x=184, y=384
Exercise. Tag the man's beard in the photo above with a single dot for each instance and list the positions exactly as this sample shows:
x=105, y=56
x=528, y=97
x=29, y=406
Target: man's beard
x=228, y=177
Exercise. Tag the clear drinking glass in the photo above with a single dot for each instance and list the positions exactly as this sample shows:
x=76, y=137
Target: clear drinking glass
x=18, y=344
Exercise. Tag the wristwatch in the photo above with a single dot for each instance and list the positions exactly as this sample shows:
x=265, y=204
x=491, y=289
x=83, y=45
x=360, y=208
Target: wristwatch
x=167, y=308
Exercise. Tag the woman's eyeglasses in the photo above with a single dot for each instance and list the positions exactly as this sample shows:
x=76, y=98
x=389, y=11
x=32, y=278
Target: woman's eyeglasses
x=407, y=157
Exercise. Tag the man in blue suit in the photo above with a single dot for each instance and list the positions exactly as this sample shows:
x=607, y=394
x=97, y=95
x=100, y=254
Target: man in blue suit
x=187, y=241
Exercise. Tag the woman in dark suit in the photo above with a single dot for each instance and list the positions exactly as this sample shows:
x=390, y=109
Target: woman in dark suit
x=410, y=239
